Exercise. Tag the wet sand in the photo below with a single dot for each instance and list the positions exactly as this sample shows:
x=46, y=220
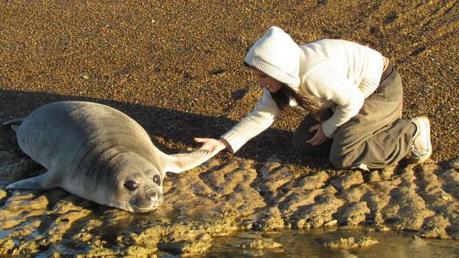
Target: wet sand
x=175, y=67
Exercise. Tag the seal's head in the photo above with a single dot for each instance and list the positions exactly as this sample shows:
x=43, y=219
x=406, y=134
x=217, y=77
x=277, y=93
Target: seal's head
x=136, y=184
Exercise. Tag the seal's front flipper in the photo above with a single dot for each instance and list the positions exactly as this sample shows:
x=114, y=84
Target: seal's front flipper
x=41, y=182
x=178, y=163
x=15, y=123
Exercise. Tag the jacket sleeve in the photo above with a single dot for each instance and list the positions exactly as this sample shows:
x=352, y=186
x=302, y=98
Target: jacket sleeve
x=258, y=120
x=332, y=86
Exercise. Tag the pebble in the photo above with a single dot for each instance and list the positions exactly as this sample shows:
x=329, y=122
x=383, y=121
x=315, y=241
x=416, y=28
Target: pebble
x=3, y=194
x=331, y=223
x=349, y=242
x=454, y=163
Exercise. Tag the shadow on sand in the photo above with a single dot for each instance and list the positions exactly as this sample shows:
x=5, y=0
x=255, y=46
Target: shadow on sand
x=169, y=125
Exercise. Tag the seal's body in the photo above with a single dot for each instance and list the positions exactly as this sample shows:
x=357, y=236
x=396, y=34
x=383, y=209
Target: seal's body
x=98, y=153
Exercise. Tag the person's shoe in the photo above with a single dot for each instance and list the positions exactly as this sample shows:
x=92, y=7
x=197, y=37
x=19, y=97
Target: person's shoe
x=421, y=148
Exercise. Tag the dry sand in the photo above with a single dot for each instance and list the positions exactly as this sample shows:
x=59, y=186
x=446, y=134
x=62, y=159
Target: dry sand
x=175, y=67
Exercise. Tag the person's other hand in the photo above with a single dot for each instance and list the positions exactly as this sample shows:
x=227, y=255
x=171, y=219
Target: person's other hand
x=213, y=146
x=319, y=137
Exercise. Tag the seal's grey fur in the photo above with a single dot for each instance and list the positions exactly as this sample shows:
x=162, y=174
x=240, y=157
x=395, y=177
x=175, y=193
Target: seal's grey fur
x=98, y=153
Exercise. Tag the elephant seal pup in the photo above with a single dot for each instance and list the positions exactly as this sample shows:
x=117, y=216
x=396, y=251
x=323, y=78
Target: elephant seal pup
x=97, y=153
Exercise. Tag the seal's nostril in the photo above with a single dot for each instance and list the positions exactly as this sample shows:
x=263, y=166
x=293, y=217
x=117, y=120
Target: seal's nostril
x=153, y=196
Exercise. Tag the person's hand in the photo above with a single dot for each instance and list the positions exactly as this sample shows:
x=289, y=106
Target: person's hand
x=213, y=146
x=319, y=137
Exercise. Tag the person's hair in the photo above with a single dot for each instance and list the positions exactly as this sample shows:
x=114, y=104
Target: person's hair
x=281, y=97
x=304, y=99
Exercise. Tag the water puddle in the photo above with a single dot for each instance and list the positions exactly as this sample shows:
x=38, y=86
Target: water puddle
x=310, y=244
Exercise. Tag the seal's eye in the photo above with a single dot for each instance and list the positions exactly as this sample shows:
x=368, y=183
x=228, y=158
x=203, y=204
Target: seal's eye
x=157, y=179
x=131, y=185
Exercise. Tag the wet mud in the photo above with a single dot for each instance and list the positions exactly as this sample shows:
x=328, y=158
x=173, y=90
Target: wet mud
x=176, y=68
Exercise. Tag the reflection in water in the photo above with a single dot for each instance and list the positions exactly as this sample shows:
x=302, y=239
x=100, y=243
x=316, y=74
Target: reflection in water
x=307, y=244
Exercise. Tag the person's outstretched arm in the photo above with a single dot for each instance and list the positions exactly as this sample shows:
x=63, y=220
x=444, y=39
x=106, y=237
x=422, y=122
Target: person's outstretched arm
x=253, y=124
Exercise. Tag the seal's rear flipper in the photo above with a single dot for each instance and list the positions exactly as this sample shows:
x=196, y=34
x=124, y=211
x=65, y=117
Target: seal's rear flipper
x=41, y=182
x=14, y=123
x=178, y=163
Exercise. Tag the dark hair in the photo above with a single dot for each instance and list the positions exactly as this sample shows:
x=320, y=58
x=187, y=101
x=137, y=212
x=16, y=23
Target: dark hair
x=281, y=97
x=305, y=101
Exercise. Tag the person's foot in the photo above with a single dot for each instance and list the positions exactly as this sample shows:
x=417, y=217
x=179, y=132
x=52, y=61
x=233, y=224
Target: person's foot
x=421, y=148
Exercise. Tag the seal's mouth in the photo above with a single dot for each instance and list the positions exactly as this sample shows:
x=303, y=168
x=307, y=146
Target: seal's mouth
x=146, y=203
x=152, y=207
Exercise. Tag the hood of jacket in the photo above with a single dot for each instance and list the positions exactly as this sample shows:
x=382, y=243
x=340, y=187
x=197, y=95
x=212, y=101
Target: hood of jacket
x=277, y=55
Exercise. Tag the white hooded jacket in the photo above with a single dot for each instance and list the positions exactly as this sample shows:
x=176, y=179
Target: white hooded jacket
x=339, y=73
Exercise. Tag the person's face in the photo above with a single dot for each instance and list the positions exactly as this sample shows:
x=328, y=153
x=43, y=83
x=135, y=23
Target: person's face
x=267, y=82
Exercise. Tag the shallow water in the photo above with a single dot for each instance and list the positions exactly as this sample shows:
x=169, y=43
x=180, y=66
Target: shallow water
x=307, y=244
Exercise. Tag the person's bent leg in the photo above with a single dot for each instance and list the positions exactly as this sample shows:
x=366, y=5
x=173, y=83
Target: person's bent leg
x=376, y=137
x=302, y=134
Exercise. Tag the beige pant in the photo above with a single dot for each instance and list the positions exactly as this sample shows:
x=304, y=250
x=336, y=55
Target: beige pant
x=375, y=138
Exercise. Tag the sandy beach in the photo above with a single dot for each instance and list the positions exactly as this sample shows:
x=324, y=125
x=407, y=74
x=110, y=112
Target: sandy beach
x=176, y=68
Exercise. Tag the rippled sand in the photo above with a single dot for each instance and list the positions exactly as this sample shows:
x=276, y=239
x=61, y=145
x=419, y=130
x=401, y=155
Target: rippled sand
x=223, y=198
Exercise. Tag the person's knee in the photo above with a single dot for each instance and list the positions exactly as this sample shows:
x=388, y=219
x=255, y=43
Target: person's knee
x=299, y=144
x=302, y=147
x=298, y=141
x=302, y=134
x=339, y=160
x=300, y=137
